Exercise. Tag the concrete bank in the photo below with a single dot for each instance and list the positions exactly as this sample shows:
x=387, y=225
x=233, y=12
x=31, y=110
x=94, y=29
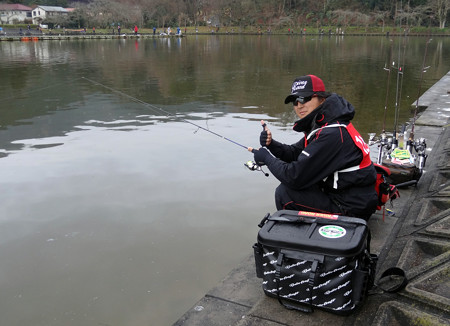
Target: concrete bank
x=34, y=37
x=415, y=239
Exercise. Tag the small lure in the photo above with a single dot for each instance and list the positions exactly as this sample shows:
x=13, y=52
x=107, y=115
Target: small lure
x=390, y=212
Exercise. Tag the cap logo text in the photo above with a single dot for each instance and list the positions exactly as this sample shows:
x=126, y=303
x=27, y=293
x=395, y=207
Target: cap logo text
x=299, y=85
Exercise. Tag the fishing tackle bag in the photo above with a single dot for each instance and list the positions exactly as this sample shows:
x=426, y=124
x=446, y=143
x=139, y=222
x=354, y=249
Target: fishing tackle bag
x=400, y=173
x=311, y=260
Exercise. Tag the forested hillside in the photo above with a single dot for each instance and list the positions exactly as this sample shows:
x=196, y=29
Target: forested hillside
x=262, y=13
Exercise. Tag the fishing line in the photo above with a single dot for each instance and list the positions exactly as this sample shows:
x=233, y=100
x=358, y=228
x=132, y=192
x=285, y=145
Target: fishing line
x=156, y=108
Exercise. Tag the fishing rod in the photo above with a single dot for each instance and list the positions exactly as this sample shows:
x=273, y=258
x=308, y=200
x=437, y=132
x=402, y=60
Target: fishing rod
x=252, y=166
x=420, y=144
x=384, y=143
x=387, y=67
x=167, y=113
x=423, y=70
x=398, y=96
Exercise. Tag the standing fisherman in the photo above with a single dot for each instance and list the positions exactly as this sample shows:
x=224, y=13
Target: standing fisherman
x=329, y=170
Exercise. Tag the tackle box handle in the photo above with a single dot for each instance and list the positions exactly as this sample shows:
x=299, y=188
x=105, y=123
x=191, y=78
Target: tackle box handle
x=299, y=216
x=313, y=274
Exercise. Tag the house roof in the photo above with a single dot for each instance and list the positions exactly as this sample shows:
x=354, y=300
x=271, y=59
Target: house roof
x=14, y=6
x=52, y=8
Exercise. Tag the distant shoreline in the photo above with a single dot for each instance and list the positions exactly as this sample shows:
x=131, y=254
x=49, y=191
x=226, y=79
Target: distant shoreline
x=37, y=36
x=111, y=32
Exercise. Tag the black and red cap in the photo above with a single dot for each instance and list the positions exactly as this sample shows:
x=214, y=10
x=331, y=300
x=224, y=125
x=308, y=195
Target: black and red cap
x=305, y=86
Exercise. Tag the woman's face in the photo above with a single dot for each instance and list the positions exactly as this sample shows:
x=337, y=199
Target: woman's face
x=302, y=110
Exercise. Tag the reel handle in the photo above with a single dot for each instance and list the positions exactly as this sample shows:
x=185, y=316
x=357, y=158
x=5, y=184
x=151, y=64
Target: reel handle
x=252, y=166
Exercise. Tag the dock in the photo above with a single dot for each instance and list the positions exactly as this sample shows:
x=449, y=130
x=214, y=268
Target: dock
x=415, y=239
x=33, y=36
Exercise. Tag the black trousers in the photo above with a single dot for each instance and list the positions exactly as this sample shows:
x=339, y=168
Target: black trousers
x=311, y=200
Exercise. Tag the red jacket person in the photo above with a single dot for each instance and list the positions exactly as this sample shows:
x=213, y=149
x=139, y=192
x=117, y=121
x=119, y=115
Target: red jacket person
x=327, y=171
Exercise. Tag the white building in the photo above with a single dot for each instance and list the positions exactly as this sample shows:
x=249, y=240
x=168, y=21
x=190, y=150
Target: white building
x=42, y=13
x=14, y=14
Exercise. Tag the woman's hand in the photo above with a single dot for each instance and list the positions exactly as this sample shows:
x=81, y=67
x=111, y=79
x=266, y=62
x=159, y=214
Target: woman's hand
x=265, y=138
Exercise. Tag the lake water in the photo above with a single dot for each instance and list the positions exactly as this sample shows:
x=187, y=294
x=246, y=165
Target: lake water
x=114, y=210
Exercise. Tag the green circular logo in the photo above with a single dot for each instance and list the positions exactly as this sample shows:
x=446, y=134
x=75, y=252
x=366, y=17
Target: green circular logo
x=332, y=231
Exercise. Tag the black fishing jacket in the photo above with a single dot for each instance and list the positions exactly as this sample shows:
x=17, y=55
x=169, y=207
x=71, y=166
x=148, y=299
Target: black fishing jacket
x=326, y=151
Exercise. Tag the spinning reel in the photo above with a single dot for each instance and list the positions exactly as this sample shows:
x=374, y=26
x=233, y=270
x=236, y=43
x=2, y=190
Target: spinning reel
x=252, y=166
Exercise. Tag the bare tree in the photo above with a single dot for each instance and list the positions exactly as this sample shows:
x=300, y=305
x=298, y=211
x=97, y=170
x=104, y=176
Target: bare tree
x=363, y=19
x=441, y=8
x=344, y=17
x=102, y=13
x=183, y=19
x=98, y=13
x=381, y=15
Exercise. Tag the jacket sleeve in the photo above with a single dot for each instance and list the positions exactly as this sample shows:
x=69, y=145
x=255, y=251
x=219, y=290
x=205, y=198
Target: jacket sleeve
x=284, y=152
x=322, y=157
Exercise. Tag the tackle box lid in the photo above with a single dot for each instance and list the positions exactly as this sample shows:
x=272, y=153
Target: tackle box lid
x=314, y=232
